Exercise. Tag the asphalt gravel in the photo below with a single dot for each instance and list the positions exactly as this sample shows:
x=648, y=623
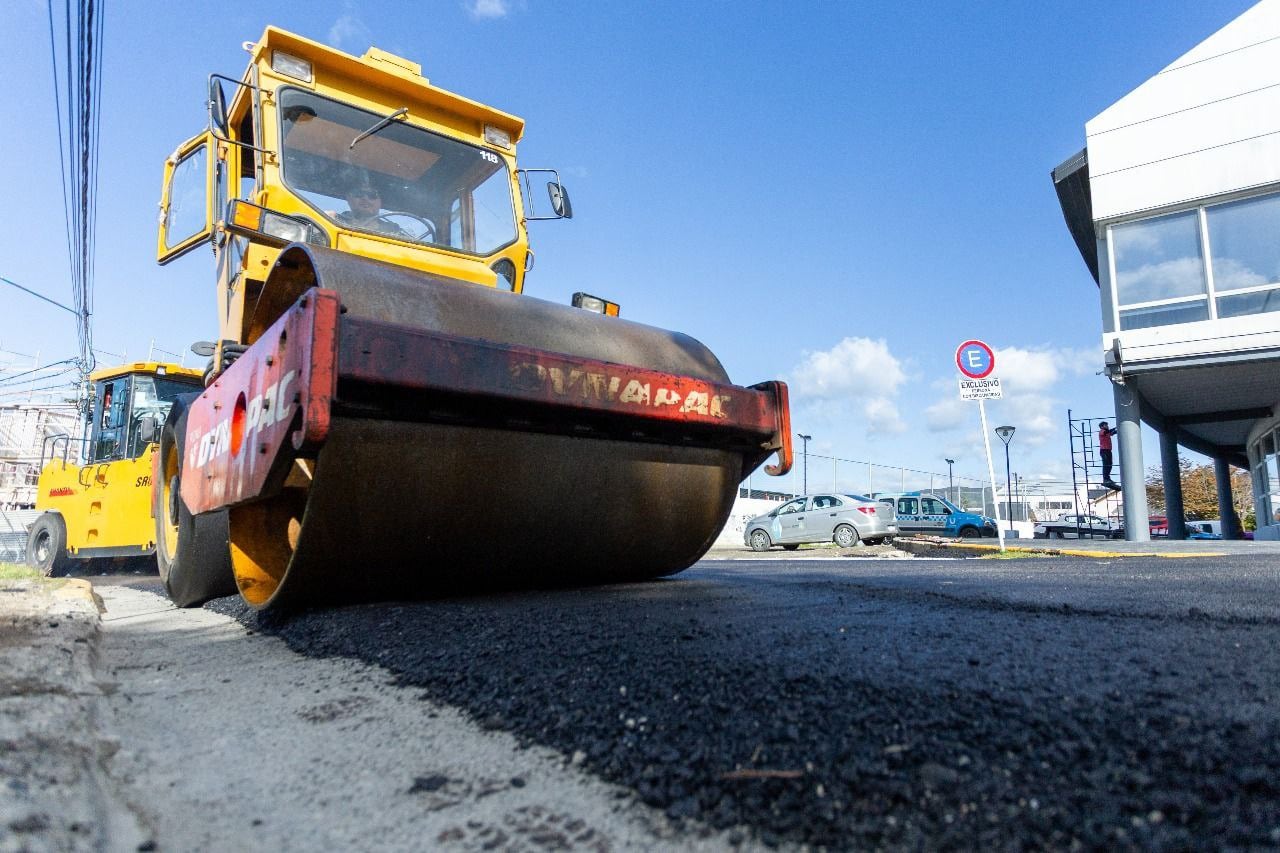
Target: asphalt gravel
x=996, y=704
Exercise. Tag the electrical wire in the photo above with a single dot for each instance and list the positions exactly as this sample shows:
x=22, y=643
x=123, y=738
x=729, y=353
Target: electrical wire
x=77, y=84
x=69, y=362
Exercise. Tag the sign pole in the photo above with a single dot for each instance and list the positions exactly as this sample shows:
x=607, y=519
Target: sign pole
x=991, y=470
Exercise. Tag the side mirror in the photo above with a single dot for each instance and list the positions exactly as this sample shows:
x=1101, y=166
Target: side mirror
x=149, y=430
x=217, y=108
x=560, y=200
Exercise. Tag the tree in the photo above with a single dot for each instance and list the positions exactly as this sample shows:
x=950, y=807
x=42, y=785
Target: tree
x=1200, y=491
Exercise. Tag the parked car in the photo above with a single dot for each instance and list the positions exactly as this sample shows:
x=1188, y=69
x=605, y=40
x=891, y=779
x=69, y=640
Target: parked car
x=1078, y=527
x=925, y=512
x=1159, y=525
x=843, y=519
x=1204, y=529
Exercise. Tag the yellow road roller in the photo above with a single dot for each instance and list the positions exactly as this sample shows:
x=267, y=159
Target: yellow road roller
x=386, y=414
x=95, y=490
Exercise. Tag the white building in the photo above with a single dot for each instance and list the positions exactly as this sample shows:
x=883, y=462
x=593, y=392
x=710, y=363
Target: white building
x=1175, y=207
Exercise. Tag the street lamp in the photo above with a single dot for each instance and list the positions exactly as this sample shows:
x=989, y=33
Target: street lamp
x=951, y=483
x=1006, y=435
x=805, y=454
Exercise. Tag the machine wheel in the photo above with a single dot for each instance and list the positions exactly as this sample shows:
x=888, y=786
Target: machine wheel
x=192, y=551
x=969, y=533
x=760, y=541
x=47, y=546
x=794, y=546
x=1055, y=534
x=846, y=536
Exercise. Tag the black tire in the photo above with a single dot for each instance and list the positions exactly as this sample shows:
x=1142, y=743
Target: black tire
x=794, y=546
x=760, y=541
x=845, y=536
x=877, y=541
x=47, y=546
x=197, y=567
x=969, y=533
x=1055, y=534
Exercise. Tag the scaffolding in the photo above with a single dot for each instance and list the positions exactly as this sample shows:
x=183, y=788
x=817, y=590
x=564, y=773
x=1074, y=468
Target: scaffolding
x=26, y=433
x=1090, y=496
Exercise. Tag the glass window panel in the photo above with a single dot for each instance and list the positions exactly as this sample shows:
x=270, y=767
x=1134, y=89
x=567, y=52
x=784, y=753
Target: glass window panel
x=188, y=199
x=1249, y=303
x=403, y=181
x=1243, y=237
x=1164, y=315
x=1158, y=258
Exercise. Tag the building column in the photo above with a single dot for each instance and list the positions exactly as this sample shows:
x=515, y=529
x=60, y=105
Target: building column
x=1226, y=508
x=1137, y=521
x=1172, y=472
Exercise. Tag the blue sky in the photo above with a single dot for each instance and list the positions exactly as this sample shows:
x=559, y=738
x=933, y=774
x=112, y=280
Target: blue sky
x=835, y=194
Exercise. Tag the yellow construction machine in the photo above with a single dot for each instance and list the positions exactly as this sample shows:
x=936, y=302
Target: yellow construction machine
x=99, y=506
x=385, y=413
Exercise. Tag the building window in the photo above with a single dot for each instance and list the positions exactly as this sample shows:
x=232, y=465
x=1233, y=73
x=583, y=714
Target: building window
x=1159, y=271
x=1162, y=277
x=1246, y=257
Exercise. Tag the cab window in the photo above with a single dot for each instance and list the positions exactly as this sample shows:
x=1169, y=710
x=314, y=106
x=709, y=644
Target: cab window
x=907, y=506
x=933, y=506
x=110, y=411
x=152, y=397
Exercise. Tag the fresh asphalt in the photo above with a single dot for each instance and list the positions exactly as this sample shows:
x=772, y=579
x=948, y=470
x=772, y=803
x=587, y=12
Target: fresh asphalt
x=1041, y=702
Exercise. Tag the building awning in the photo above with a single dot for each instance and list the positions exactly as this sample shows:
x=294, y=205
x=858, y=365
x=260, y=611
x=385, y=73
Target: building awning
x=1071, y=181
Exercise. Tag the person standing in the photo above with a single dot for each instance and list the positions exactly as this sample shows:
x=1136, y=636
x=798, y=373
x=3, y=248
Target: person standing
x=1104, y=450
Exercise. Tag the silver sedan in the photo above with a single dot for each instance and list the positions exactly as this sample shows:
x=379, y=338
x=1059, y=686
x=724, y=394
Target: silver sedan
x=843, y=519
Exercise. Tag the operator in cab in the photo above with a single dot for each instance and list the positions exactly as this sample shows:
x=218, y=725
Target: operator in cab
x=365, y=201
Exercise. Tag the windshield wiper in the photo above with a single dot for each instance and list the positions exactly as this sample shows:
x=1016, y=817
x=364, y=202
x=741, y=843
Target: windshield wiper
x=379, y=126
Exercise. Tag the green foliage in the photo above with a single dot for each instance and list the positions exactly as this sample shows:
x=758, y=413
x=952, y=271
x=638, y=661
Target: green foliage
x=17, y=572
x=1200, y=492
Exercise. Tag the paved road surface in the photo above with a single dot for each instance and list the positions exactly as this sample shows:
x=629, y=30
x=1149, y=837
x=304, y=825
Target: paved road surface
x=847, y=703
x=881, y=703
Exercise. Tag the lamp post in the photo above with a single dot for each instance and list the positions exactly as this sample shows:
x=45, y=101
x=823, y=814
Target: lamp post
x=951, y=483
x=805, y=453
x=1006, y=435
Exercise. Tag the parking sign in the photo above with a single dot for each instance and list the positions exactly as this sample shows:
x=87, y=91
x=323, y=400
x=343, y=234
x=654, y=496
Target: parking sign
x=975, y=359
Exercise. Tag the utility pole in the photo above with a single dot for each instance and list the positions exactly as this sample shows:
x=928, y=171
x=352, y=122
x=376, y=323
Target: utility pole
x=805, y=452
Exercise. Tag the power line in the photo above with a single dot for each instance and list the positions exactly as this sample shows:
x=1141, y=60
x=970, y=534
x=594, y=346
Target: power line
x=38, y=295
x=79, y=123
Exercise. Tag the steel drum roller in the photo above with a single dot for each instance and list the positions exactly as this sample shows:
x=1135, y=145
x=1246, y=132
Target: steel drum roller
x=393, y=508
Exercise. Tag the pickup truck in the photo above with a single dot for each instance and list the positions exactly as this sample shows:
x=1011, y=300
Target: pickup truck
x=1078, y=527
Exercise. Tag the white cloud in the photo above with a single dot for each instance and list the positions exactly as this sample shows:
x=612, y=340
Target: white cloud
x=855, y=373
x=854, y=366
x=489, y=9
x=882, y=416
x=948, y=413
x=349, y=32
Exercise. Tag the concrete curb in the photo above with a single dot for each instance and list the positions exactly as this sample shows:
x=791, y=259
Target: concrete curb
x=921, y=544
x=59, y=794
x=78, y=589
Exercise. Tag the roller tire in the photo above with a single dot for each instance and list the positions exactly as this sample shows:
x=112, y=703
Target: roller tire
x=846, y=536
x=760, y=541
x=200, y=566
x=47, y=546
